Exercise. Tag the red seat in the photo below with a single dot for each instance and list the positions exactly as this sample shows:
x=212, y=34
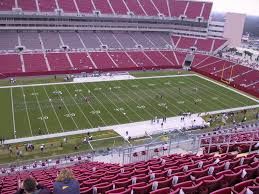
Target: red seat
x=209, y=177
x=241, y=186
x=124, y=182
x=142, y=189
x=234, y=178
x=226, y=190
x=183, y=184
x=118, y=190
x=213, y=185
x=192, y=189
x=223, y=173
x=101, y=188
x=164, y=190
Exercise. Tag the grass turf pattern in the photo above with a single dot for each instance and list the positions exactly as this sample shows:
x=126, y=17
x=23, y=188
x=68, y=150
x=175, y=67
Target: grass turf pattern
x=37, y=110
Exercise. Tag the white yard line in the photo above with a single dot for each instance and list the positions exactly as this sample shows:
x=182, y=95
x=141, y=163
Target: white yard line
x=215, y=93
x=14, y=128
x=67, y=109
x=143, y=99
x=117, y=96
x=150, y=89
x=100, y=102
x=41, y=111
x=185, y=99
x=62, y=83
x=114, y=104
x=83, y=131
x=135, y=101
x=222, y=85
x=54, y=109
x=26, y=107
x=80, y=109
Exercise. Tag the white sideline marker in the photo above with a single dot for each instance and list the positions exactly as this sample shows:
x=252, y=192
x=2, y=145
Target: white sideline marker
x=14, y=128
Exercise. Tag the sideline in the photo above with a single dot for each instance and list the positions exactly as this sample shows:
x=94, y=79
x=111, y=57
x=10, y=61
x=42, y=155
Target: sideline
x=142, y=124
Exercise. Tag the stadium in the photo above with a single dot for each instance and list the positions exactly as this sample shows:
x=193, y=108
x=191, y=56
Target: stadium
x=129, y=96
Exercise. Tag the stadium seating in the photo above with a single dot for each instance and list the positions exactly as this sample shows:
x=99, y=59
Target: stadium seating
x=96, y=177
x=201, y=44
x=172, y=8
x=47, y=5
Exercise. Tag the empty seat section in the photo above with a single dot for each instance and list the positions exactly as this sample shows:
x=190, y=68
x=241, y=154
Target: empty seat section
x=140, y=39
x=140, y=59
x=119, y=7
x=28, y=5
x=177, y=8
x=134, y=7
x=158, y=58
x=85, y=6
x=181, y=57
x=30, y=40
x=7, y=5
x=58, y=61
x=170, y=56
x=176, y=40
x=162, y=7
x=10, y=63
x=8, y=40
x=103, y=6
x=108, y=39
x=102, y=60
x=213, y=67
x=157, y=40
x=71, y=39
x=166, y=37
x=148, y=7
x=50, y=40
x=34, y=63
x=208, y=61
x=186, y=42
x=204, y=44
x=198, y=59
x=90, y=40
x=47, y=5
x=81, y=61
x=125, y=40
x=207, y=11
x=248, y=78
x=68, y=6
x=218, y=43
x=122, y=60
x=194, y=9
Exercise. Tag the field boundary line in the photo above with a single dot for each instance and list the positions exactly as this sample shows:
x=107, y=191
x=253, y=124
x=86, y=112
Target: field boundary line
x=14, y=127
x=41, y=111
x=90, y=145
x=227, y=87
x=68, y=111
x=29, y=121
x=106, y=128
x=55, y=112
x=137, y=103
x=107, y=138
x=80, y=109
x=213, y=91
x=60, y=83
x=100, y=102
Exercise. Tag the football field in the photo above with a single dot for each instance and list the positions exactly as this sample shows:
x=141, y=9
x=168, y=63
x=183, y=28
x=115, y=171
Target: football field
x=54, y=108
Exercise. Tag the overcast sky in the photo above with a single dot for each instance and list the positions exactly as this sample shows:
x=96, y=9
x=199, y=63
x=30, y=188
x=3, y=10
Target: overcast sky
x=249, y=7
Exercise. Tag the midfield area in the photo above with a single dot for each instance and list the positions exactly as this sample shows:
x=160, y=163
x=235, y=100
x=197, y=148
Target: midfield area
x=54, y=108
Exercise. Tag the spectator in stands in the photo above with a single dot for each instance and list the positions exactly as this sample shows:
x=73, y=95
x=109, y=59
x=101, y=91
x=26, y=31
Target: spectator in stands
x=30, y=186
x=66, y=183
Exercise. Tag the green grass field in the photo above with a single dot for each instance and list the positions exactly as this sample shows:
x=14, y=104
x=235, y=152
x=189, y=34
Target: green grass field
x=34, y=110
